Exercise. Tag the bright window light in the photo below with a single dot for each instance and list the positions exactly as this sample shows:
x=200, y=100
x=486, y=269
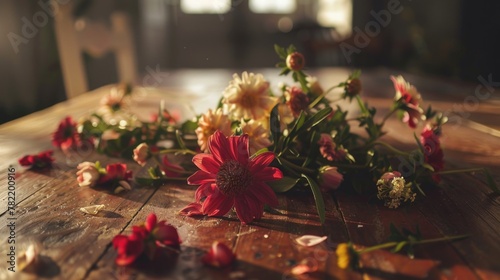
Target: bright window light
x=205, y=6
x=336, y=13
x=272, y=7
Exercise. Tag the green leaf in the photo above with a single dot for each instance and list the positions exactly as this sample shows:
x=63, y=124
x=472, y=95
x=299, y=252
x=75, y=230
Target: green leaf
x=395, y=234
x=280, y=51
x=291, y=49
x=180, y=141
x=283, y=185
x=284, y=71
x=275, y=125
x=318, y=117
x=428, y=166
x=491, y=182
x=318, y=197
x=398, y=247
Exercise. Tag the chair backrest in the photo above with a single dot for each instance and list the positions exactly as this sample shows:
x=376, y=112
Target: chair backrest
x=76, y=36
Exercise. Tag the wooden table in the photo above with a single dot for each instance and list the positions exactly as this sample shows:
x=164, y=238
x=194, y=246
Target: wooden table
x=75, y=245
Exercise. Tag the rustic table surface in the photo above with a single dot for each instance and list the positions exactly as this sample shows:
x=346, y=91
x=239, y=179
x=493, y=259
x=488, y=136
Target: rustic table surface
x=74, y=245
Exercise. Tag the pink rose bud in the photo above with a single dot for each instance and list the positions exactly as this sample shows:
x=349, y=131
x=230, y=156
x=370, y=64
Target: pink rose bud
x=219, y=255
x=330, y=178
x=295, y=61
x=388, y=176
x=87, y=174
x=141, y=153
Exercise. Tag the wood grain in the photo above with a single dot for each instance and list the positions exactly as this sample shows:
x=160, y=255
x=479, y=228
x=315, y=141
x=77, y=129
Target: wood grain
x=75, y=245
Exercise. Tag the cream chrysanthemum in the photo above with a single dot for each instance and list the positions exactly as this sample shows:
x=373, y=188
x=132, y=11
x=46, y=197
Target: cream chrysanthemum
x=257, y=134
x=248, y=97
x=209, y=123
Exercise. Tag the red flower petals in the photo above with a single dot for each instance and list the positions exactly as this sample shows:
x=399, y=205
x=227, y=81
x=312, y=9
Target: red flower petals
x=146, y=239
x=229, y=178
x=41, y=160
x=220, y=255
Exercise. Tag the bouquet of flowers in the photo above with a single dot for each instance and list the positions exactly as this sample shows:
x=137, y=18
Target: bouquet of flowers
x=259, y=141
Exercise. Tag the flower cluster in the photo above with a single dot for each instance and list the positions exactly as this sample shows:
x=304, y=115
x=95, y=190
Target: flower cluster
x=261, y=140
x=90, y=174
x=393, y=189
x=148, y=239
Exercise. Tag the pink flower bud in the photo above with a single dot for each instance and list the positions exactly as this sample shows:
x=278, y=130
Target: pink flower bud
x=330, y=178
x=87, y=174
x=219, y=255
x=141, y=153
x=388, y=176
x=295, y=61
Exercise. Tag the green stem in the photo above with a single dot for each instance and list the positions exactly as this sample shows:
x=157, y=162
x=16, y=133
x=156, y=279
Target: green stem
x=393, y=110
x=179, y=151
x=297, y=167
x=393, y=244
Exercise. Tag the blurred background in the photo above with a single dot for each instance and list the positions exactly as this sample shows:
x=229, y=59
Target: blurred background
x=450, y=39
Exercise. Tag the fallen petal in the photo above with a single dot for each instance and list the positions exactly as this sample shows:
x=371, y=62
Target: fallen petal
x=29, y=257
x=192, y=209
x=310, y=240
x=92, y=210
x=305, y=266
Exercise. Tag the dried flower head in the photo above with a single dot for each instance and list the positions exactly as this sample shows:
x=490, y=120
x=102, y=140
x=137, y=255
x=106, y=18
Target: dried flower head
x=393, y=189
x=352, y=87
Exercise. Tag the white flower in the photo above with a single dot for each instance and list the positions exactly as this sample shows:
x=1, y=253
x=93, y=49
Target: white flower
x=394, y=190
x=209, y=123
x=248, y=97
x=257, y=135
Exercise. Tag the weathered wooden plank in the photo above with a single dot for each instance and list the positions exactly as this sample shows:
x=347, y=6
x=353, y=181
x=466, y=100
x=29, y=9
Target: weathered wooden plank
x=72, y=241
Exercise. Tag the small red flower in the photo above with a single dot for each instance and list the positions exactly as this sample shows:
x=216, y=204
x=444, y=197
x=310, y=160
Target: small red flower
x=297, y=100
x=116, y=171
x=66, y=135
x=146, y=239
x=219, y=255
x=409, y=97
x=41, y=160
x=229, y=178
x=129, y=248
x=328, y=150
x=433, y=154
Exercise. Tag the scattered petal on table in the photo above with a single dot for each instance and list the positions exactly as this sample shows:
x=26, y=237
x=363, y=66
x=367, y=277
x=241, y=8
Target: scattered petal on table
x=92, y=210
x=310, y=240
x=29, y=257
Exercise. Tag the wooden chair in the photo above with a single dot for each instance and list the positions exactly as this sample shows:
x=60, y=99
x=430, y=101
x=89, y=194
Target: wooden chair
x=76, y=36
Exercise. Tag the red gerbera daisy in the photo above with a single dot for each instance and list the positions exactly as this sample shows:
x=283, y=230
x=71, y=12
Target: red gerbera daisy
x=66, y=135
x=230, y=178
